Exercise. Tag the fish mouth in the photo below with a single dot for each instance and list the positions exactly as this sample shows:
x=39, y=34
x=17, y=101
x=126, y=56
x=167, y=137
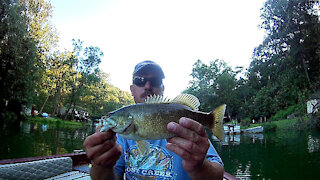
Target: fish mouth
x=107, y=124
x=128, y=129
x=123, y=129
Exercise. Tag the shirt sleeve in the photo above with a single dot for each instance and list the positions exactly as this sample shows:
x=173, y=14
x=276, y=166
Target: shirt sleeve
x=120, y=165
x=213, y=156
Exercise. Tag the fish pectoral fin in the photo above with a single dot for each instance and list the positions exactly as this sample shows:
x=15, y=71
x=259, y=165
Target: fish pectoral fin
x=143, y=147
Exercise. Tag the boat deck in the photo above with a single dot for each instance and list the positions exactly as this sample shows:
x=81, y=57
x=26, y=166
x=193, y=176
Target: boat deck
x=69, y=166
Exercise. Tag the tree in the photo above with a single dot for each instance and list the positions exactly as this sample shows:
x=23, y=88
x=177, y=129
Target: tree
x=91, y=60
x=287, y=64
x=214, y=84
x=39, y=14
x=85, y=63
x=101, y=97
x=293, y=39
x=18, y=55
x=55, y=85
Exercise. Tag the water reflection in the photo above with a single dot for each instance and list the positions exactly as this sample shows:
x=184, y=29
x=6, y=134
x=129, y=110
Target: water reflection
x=275, y=155
x=313, y=144
x=25, y=127
x=234, y=139
x=256, y=137
x=243, y=171
x=44, y=127
x=35, y=139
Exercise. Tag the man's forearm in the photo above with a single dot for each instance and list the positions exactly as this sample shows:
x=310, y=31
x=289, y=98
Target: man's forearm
x=209, y=170
x=98, y=172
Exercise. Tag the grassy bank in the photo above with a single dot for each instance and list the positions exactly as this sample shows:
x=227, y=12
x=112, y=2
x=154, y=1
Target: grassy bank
x=55, y=121
x=285, y=124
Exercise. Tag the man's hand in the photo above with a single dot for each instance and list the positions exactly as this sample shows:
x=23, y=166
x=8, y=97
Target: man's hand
x=191, y=144
x=103, y=151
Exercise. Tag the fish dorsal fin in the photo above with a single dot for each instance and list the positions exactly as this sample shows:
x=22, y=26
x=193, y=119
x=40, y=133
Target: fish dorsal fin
x=188, y=100
x=157, y=99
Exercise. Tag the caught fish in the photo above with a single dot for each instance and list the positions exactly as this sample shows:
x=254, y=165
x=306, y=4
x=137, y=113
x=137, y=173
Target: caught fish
x=149, y=120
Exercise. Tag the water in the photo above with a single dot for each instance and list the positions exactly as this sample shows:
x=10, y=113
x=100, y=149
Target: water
x=31, y=140
x=276, y=155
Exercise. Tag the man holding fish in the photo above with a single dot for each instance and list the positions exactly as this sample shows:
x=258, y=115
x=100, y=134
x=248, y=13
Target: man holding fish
x=156, y=138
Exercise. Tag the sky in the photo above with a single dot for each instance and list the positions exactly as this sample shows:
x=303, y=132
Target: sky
x=173, y=33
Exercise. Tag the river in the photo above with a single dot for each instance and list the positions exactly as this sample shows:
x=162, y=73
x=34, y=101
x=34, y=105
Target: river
x=276, y=155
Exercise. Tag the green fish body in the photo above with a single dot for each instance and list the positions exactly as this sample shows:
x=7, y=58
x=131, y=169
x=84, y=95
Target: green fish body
x=149, y=120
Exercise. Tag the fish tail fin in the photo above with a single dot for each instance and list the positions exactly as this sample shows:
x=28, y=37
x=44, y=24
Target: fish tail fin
x=217, y=125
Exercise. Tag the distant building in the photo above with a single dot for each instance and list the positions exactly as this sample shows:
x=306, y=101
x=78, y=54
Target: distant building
x=313, y=105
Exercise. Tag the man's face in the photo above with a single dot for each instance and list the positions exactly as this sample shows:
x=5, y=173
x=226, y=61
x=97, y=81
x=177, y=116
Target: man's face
x=140, y=91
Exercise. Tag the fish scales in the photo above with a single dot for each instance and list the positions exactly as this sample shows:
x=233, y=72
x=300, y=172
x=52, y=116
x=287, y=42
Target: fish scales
x=149, y=120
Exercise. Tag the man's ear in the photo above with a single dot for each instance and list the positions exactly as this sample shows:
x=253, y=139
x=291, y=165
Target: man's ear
x=132, y=89
x=162, y=89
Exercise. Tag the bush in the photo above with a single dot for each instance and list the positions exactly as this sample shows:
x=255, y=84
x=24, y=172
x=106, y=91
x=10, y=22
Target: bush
x=282, y=114
x=267, y=127
x=245, y=122
x=53, y=121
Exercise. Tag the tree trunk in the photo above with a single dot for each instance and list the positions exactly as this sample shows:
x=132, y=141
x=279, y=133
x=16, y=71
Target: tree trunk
x=44, y=104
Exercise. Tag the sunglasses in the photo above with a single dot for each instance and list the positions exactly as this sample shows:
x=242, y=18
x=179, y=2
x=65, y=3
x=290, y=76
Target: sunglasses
x=141, y=81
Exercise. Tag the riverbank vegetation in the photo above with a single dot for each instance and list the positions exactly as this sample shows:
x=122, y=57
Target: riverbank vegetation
x=298, y=123
x=283, y=74
x=54, y=121
x=36, y=76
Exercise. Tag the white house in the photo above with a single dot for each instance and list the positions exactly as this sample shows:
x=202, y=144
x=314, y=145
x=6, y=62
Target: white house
x=313, y=106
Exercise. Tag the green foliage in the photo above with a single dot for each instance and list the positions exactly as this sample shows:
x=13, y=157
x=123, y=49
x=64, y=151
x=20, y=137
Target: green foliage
x=54, y=121
x=214, y=84
x=285, y=67
x=283, y=114
x=71, y=81
x=286, y=124
x=101, y=97
x=245, y=122
x=39, y=14
x=267, y=127
x=32, y=74
x=283, y=72
x=89, y=88
x=18, y=56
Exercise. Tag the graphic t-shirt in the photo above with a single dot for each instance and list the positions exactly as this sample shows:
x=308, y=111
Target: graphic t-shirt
x=152, y=160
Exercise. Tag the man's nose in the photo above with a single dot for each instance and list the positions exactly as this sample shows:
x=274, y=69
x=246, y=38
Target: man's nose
x=148, y=85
